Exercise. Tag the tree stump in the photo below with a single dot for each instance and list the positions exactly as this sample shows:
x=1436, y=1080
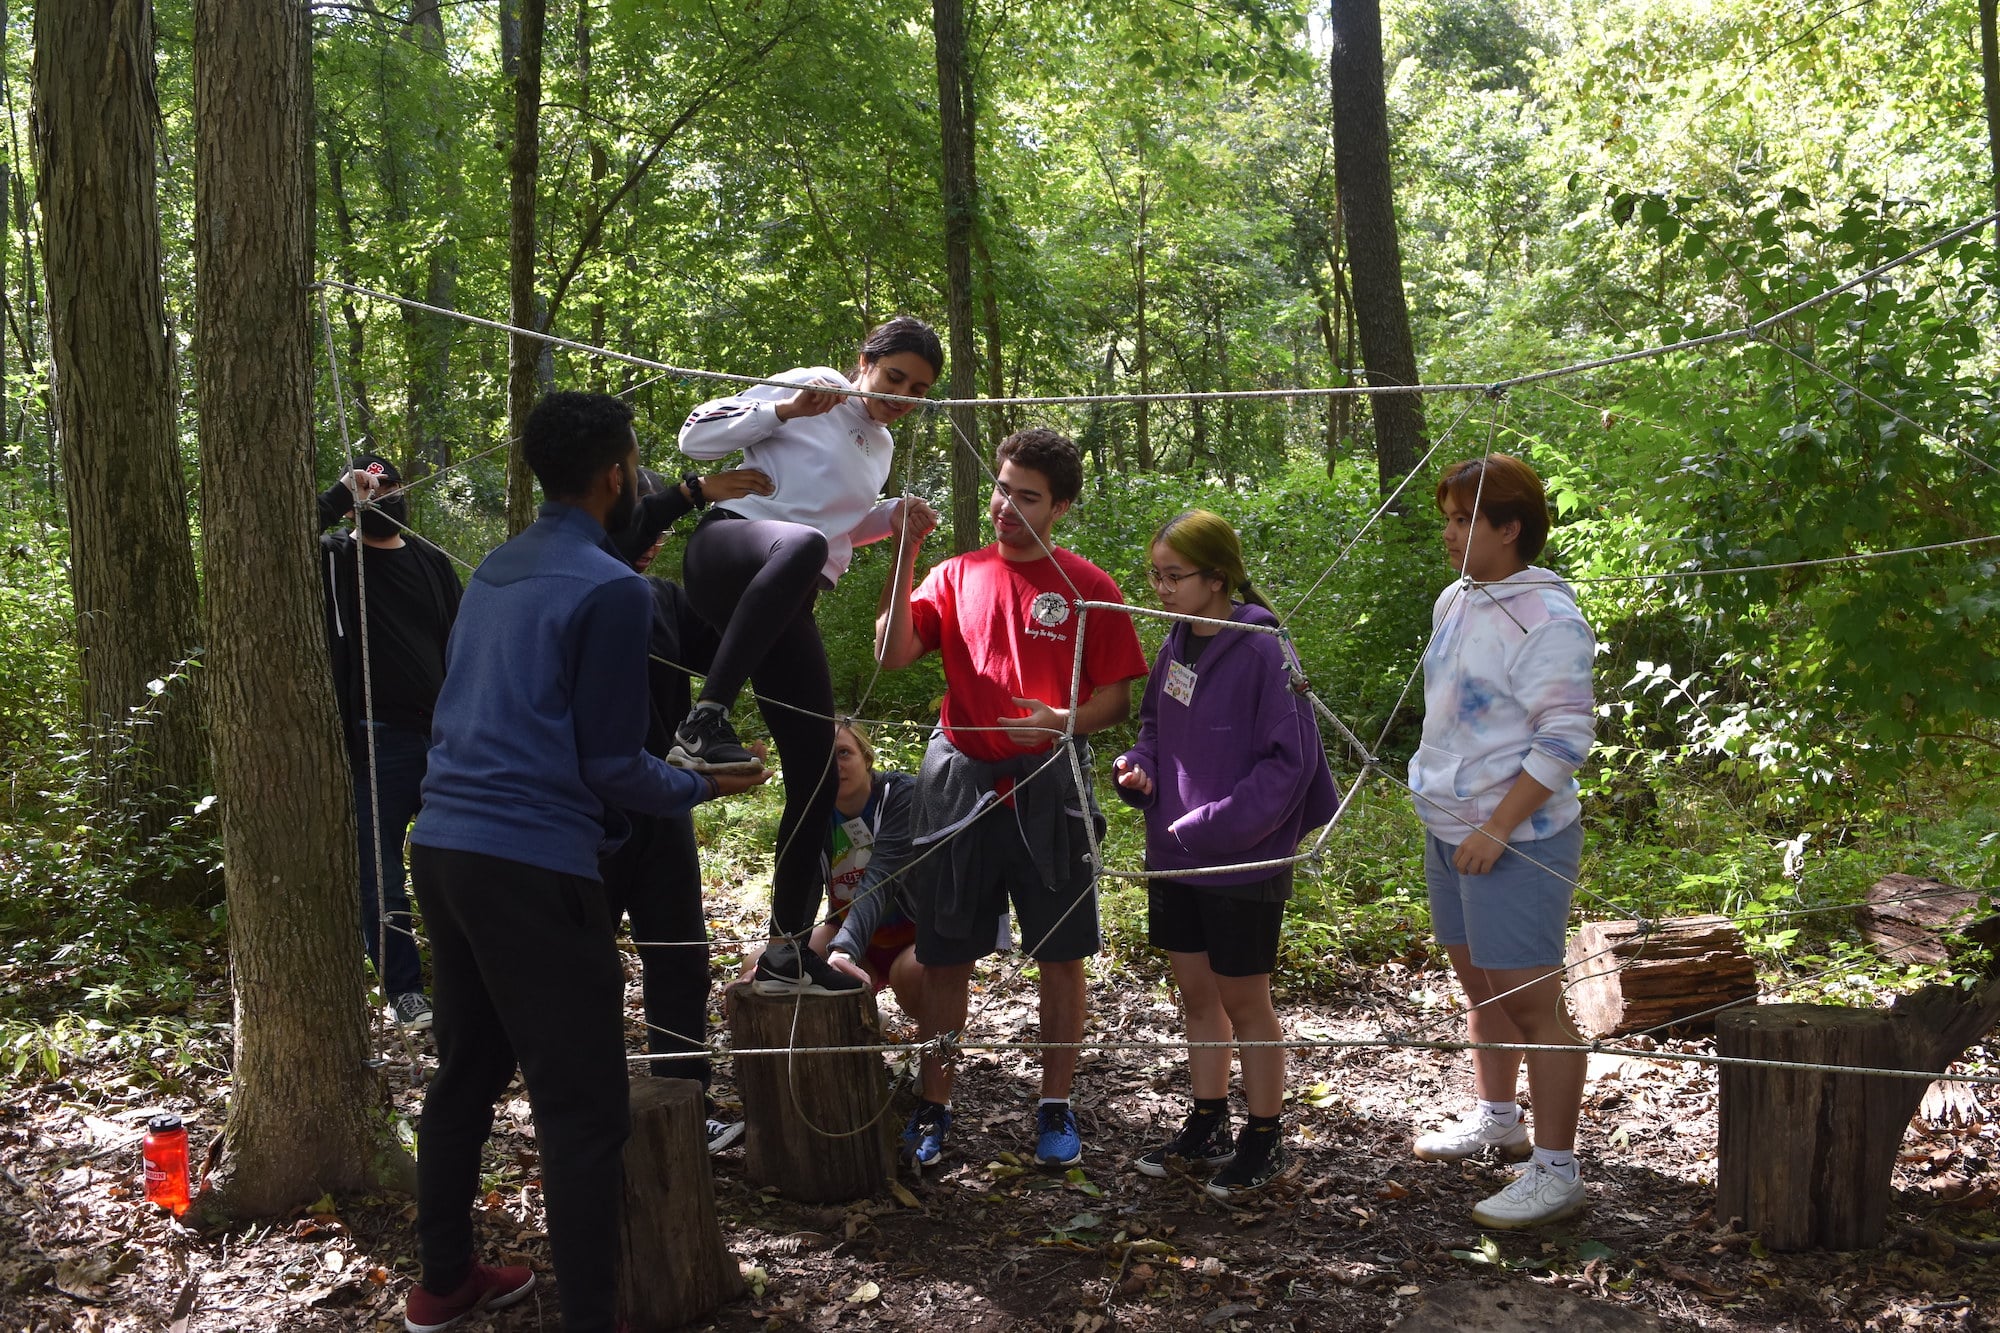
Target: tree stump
x=1804, y=1157
x=1622, y=981
x=676, y=1269
x=816, y=1124
x=1908, y=928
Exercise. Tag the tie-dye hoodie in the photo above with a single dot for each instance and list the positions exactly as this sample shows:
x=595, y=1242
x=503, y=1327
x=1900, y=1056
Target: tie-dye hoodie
x=1506, y=691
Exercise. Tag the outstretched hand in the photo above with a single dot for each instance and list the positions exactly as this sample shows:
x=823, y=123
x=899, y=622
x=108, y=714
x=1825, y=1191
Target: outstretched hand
x=915, y=518
x=732, y=784
x=1132, y=777
x=814, y=399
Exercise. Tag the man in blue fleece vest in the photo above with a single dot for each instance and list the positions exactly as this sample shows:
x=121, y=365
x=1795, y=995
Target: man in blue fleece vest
x=537, y=749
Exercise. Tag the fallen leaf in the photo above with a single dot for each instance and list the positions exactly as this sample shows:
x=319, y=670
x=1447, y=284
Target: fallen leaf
x=1695, y=1280
x=864, y=1293
x=903, y=1196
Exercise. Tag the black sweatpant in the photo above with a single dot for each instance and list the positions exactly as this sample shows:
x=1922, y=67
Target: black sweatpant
x=655, y=879
x=525, y=970
x=756, y=581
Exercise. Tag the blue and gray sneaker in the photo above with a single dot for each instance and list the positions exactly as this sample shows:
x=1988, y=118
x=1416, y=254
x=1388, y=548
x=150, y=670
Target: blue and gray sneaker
x=1056, y=1141
x=923, y=1137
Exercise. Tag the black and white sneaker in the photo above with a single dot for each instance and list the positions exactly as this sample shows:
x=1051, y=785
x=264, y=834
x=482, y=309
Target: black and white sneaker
x=1198, y=1145
x=412, y=1011
x=788, y=967
x=1243, y=1176
x=723, y=1134
x=706, y=743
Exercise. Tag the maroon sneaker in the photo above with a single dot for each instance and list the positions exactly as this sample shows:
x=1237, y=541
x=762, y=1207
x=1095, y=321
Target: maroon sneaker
x=483, y=1289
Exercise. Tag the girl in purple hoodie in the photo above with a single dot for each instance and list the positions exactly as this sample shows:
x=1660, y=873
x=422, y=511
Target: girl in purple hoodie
x=1231, y=774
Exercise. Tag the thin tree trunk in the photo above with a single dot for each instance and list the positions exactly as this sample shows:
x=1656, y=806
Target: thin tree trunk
x=428, y=336
x=523, y=168
x=131, y=563
x=989, y=281
x=1142, y=354
x=1361, y=173
x=354, y=370
x=305, y=1117
x=967, y=475
x=1989, y=75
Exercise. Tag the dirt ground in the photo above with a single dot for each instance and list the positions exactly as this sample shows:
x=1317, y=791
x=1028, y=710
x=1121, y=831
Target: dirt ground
x=1358, y=1236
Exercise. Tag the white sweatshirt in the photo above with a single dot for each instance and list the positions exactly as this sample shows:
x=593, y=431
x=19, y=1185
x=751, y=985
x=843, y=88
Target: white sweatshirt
x=1506, y=692
x=828, y=469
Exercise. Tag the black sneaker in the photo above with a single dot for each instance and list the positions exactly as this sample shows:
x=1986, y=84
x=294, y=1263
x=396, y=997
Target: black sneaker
x=1204, y=1143
x=706, y=743
x=788, y=967
x=412, y=1011
x=1241, y=1177
x=723, y=1134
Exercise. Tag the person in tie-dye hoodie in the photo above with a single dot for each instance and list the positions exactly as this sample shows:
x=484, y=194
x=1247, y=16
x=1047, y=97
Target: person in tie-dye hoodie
x=1508, y=720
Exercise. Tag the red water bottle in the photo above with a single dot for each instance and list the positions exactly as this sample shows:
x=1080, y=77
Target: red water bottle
x=166, y=1156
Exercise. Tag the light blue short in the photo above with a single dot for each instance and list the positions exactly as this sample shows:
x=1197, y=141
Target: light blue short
x=1516, y=914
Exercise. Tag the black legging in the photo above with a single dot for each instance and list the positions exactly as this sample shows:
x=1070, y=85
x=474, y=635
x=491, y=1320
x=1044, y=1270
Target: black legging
x=756, y=580
x=655, y=878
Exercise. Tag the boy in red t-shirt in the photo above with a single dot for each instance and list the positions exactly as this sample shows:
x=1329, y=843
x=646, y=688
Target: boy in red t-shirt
x=995, y=790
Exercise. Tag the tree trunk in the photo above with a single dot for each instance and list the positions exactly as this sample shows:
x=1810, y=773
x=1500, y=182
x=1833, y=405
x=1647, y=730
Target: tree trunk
x=1989, y=77
x=1623, y=981
x=131, y=564
x=815, y=1124
x=523, y=168
x=1805, y=1157
x=968, y=489
x=428, y=336
x=1141, y=353
x=675, y=1268
x=1367, y=200
x=305, y=1116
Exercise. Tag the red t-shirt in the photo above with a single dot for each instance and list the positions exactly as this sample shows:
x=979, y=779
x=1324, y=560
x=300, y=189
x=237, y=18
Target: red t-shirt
x=1007, y=629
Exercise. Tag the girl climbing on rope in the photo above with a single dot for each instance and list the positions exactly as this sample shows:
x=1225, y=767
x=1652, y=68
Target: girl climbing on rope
x=1230, y=772
x=754, y=567
x=1508, y=720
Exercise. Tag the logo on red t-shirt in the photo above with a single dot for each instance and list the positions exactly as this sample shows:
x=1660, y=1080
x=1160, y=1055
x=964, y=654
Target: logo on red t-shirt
x=1049, y=609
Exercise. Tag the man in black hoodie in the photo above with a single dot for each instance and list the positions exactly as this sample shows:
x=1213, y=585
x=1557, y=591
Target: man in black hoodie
x=412, y=595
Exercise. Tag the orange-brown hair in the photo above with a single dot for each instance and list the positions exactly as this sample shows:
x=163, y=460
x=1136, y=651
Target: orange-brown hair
x=1505, y=490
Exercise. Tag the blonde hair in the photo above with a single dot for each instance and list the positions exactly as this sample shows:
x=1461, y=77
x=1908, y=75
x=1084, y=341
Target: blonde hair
x=861, y=741
x=1207, y=542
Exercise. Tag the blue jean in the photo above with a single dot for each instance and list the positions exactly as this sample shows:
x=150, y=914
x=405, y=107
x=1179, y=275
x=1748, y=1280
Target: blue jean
x=401, y=756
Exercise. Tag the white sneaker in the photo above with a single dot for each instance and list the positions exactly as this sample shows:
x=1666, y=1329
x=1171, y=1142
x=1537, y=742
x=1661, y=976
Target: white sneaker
x=1476, y=1133
x=1535, y=1196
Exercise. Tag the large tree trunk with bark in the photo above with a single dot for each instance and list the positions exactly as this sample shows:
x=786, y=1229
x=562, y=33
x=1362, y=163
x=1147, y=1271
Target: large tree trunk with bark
x=131, y=562
x=305, y=1116
x=523, y=170
x=968, y=489
x=1374, y=260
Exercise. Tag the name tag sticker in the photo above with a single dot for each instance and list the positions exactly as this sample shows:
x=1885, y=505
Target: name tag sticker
x=1180, y=682
x=858, y=833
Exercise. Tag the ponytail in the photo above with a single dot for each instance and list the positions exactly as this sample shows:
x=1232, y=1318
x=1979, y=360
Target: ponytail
x=1251, y=597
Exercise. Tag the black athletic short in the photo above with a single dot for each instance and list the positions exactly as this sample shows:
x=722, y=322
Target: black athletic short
x=1237, y=929
x=1057, y=923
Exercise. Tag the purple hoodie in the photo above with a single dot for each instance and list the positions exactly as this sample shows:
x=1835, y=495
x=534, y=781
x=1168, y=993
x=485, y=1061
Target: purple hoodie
x=1238, y=771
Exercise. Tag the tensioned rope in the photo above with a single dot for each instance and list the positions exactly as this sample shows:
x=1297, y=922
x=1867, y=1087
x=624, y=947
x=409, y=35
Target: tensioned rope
x=1755, y=331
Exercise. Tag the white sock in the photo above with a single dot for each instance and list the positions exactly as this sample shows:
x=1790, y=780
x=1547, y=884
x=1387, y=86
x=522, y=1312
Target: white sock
x=1559, y=1160
x=1507, y=1113
x=1053, y=1101
x=705, y=703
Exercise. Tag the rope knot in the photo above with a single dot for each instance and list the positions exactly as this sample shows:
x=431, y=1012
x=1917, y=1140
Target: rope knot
x=1494, y=392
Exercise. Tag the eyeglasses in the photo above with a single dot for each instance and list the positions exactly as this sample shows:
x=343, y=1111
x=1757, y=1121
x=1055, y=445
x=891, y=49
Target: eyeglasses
x=1162, y=580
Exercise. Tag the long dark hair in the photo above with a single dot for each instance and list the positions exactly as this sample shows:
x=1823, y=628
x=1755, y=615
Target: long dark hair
x=904, y=333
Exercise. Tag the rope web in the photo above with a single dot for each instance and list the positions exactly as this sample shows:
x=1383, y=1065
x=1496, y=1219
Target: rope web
x=1367, y=762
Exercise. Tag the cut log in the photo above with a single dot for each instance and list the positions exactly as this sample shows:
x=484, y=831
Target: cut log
x=1906, y=918
x=676, y=1269
x=817, y=1125
x=1804, y=1157
x=1683, y=968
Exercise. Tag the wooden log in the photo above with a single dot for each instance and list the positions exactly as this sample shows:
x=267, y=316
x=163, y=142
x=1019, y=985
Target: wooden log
x=817, y=1127
x=1805, y=1157
x=1621, y=980
x=1905, y=917
x=675, y=1267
